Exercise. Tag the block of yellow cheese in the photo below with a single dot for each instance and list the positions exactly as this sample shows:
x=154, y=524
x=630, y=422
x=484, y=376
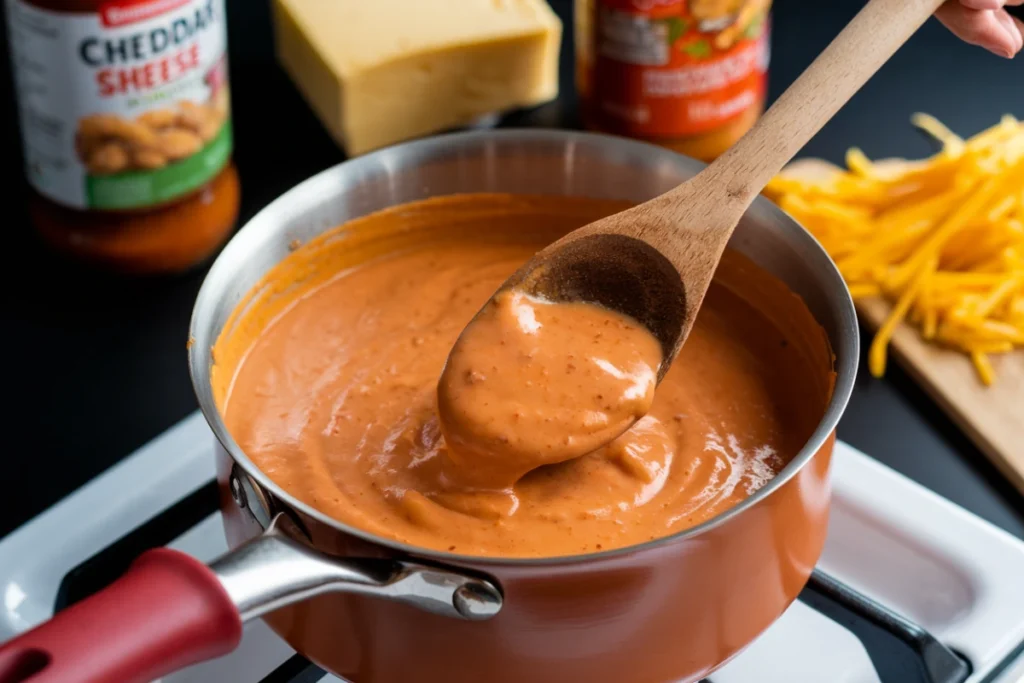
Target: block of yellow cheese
x=381, y=71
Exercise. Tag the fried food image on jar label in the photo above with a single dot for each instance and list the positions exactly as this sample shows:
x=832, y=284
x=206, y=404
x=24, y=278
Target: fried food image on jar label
x=179, y=143
x=107, y=144
x=731, y=20
x=158, y=118
x=715, y=10
x=203, y=120
x=149, y=159
x=108, y=158
x=113, y=127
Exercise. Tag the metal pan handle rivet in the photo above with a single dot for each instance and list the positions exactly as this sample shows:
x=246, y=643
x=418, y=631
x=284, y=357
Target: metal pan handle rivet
x=477, y=600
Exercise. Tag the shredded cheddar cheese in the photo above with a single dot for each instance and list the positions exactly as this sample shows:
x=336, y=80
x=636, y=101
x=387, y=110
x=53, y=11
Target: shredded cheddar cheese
x=941, y=239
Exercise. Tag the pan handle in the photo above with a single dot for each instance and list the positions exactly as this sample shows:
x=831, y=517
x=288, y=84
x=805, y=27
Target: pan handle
x=275, y=570
x=169, y=610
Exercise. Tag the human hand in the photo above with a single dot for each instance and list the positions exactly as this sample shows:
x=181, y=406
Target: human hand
x=985, y=23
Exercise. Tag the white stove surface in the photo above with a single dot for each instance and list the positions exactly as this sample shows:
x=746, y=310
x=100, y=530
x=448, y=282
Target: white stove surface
x=956, y=575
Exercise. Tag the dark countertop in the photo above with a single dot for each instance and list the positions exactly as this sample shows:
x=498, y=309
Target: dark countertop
x=95, y=364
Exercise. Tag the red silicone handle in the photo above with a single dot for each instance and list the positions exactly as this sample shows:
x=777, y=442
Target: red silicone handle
x=168, y=611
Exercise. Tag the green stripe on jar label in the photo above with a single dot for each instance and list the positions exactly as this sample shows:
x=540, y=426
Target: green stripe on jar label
x=140, y=189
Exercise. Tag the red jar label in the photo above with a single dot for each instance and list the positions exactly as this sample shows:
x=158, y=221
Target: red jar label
x=675, y=68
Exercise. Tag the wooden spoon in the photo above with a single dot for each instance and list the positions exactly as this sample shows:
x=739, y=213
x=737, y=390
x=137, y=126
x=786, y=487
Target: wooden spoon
x=654, y=262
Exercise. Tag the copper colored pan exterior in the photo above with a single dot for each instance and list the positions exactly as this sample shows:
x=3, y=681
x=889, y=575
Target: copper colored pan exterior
x=670, y=610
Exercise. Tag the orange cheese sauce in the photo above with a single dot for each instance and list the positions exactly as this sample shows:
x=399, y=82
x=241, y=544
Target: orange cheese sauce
x=327, y=377
x=532, y=382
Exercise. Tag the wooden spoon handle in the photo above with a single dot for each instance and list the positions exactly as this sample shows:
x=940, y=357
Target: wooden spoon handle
x=829, y=82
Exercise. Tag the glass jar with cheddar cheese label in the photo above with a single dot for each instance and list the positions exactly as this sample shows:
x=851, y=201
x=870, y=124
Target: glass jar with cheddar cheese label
x=690, y=75
x=126, y=127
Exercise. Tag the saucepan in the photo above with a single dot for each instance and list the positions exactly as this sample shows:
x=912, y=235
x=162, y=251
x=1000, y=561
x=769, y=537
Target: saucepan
x=373, y=610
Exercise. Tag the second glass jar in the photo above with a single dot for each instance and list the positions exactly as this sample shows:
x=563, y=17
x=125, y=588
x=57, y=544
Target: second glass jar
x=690, y=75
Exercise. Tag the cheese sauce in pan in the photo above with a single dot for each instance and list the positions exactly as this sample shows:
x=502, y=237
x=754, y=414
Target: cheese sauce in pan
x=327, y=376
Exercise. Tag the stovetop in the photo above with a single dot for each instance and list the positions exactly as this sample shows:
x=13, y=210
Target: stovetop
x=906, y=578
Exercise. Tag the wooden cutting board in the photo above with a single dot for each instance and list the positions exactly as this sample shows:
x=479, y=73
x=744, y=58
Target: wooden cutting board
x=993, y=417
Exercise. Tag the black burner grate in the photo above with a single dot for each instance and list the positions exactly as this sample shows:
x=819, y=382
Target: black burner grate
x=101, y=569
x=298, y=669
x=901, y=651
